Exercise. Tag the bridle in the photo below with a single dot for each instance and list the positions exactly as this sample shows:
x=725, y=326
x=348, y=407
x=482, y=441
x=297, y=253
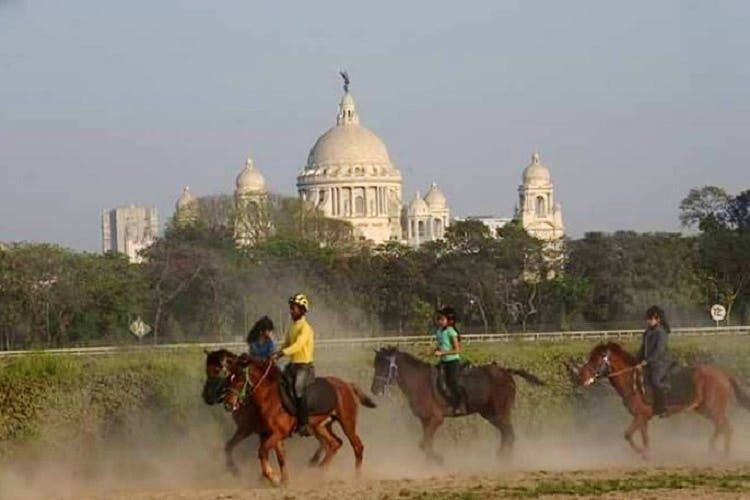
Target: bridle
x=243, y=393
x=392, y=371
x=605, y=366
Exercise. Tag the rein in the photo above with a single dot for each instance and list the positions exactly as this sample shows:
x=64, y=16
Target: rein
x=243, y=393
x=261, y=379
x=625, y=370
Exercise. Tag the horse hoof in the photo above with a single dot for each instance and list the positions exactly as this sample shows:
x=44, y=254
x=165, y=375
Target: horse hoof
x=275, y=481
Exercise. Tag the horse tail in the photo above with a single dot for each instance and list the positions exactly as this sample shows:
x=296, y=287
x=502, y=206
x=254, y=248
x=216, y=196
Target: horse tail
x=363, y=398
x=528, y=377
x=743, y=398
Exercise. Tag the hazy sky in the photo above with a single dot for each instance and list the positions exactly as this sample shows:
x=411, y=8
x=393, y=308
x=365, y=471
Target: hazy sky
x=629, y=103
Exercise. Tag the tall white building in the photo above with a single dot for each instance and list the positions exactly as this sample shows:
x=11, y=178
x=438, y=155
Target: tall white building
x=349, y=176
x=128, y=230
x=540, y=216
x=251, y=222
x=426, y=219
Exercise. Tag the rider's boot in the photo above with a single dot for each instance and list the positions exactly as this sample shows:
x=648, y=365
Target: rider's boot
x=459, y=405
x=303, y=428
x=660, y=408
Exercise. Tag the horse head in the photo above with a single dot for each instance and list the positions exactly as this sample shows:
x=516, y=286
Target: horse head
x=218, y=365
x=597, y=366
x=386, y=369
x=604, y=360
x=246, y=375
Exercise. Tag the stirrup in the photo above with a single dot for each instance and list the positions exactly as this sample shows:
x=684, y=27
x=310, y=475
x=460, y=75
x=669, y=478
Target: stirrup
x=304, y=430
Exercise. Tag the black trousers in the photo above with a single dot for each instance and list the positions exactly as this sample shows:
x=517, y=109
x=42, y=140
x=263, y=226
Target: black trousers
x=301, y=375
x=450, y=371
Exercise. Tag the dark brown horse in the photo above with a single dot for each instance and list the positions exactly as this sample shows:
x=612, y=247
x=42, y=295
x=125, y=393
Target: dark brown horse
x=261, y=382
x=490, y=391
x=709, y=391
x=247, y=417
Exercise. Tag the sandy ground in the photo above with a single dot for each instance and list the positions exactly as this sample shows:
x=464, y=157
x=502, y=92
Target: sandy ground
x=722, y=482
x=596, y=463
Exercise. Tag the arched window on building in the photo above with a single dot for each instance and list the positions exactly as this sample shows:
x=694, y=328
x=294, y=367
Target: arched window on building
x=540, y=208
x=359, y=206
x=438, y=228
x=421, y=227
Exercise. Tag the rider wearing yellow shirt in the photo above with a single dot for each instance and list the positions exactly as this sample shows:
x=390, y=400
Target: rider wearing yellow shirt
x=300, y=347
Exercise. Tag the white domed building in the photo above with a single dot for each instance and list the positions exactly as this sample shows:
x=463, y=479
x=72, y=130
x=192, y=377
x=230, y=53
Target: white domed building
x=540, y=216
x=349, y=176
x=186, y=208
x=425, y=219
x=251, y=221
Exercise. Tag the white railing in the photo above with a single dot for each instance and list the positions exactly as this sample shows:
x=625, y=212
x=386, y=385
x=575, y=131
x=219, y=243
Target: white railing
x=592, y=335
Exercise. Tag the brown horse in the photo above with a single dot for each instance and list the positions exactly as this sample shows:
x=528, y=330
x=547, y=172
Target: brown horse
x=247, y=417
x=261, y=382
x=709, y=391
x=490, y=391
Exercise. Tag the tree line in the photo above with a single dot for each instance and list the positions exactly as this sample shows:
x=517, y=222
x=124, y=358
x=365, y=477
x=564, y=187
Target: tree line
x=195, y=284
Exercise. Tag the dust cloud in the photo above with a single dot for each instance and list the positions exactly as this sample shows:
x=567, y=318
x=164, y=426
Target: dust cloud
x=160, y=459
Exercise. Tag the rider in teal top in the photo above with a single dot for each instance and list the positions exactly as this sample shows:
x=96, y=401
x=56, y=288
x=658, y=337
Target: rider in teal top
x=448, y=350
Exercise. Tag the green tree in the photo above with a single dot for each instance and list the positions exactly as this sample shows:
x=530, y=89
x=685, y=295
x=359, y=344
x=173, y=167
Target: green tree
x=704, y=207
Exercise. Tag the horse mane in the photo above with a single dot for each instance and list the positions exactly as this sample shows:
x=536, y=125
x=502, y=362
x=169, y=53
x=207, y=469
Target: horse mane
x=216, y=357
x=616, y=348
x=407, y=357
x=244, y=360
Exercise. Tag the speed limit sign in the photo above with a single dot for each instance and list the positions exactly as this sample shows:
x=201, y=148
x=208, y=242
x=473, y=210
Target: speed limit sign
x=718, y=313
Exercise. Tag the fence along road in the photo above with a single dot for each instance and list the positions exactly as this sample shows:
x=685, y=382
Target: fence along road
x=323, y=343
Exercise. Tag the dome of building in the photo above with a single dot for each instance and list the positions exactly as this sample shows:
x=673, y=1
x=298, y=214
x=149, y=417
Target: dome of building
x=250, y=180
x=435, y=197
x=185, y=199
x=418, y=206
x=349, y=176
x=349, y=149
x=348, y=144
x=536, y=172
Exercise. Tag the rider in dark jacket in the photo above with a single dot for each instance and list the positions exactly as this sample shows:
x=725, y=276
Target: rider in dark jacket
x=654, y=356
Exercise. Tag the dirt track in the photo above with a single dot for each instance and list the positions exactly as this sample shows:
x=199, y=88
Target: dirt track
x=660, y=482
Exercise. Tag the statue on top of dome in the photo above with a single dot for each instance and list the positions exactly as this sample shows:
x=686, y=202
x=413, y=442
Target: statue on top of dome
x=345, y=75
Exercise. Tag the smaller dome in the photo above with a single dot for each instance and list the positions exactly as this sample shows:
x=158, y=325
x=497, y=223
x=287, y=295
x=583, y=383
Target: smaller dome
x=536, y=172
x=186, y=199
x=249, y=179
x=435, y=197
x=418, y=206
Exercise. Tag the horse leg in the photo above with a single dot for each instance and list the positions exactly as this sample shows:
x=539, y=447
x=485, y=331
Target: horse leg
x=637, y=423
x=330, y=443
x=268, y=443
x=315, y=459
x=727, y=430
x=645, y=438
x=281, y=459
x=722, y=427
x=239, y=434
x=348, y=421
x=507, y=435
x=429, y=426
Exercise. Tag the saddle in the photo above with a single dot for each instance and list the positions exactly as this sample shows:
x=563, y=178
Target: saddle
x=680, y=382
x=465, y=373
x=320, y=396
